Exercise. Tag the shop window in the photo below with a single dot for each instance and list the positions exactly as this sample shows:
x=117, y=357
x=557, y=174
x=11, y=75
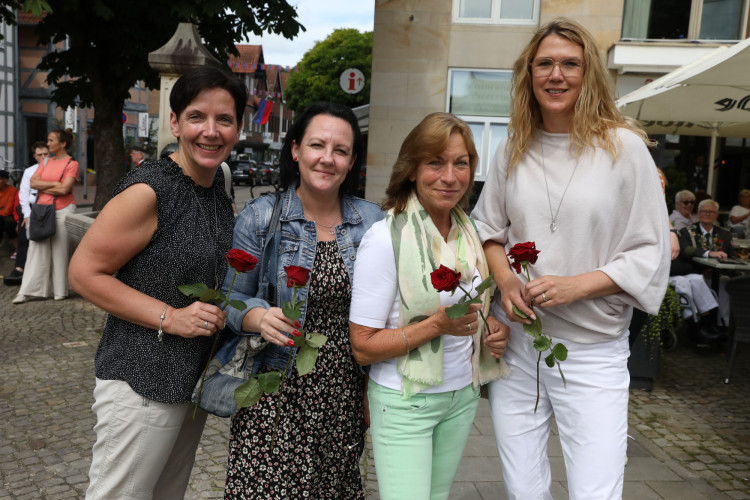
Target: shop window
x=496, y=11
x=684, y=19
x=482, y=99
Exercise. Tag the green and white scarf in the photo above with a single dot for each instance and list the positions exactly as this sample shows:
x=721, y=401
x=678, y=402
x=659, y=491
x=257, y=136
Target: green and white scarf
x=419, y=249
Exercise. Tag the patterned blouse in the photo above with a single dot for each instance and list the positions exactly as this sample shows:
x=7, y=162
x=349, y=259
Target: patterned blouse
x=193, y=234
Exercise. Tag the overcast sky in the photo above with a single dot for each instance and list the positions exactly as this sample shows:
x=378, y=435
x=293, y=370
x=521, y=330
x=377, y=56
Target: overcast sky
x=320, y=18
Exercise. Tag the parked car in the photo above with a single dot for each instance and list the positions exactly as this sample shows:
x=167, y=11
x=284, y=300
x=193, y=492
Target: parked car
x=269, y=174
x=244, y=171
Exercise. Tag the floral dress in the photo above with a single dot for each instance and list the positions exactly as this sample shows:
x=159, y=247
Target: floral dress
x=321, y=434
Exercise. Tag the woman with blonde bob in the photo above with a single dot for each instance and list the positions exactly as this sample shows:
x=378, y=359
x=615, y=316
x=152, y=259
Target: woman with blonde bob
x=425, y=368
x=569, y=155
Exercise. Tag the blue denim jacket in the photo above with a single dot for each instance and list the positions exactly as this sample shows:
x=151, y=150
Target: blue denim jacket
x=297, y=247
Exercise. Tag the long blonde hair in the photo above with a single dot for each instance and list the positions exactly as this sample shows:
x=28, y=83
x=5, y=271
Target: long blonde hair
x=595, y=116
x=426, y=141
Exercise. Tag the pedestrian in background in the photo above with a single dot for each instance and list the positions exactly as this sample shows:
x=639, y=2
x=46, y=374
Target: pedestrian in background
x=569, y=158
x=26, y=196
x=46, y=269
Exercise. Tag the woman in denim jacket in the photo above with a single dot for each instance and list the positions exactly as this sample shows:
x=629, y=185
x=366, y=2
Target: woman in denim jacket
x=320, y=433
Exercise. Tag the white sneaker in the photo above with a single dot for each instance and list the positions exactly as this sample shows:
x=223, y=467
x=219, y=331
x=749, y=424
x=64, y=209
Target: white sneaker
x=20, y=299
x=61, y=297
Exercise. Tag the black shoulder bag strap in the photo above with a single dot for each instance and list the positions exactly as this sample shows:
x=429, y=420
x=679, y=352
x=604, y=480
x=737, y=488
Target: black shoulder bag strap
x=270, y=255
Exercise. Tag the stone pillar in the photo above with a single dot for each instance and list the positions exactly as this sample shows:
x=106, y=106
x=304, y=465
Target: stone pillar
x=181, y=53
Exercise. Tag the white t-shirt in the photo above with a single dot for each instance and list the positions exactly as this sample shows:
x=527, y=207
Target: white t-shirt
x=376, y=303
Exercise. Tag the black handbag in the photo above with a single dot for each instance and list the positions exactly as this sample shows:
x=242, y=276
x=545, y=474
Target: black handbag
x=42, y=223
x=232, y=365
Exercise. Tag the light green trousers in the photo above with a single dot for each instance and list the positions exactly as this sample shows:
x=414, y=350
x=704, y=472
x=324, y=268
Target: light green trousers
x=418, y=442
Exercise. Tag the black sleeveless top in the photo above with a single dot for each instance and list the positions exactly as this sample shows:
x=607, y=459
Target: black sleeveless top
x=181, y=252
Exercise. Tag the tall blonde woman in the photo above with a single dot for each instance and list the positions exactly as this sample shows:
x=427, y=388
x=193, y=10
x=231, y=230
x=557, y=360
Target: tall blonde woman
x=425, y=368
x=46, y=270
x=570, y=157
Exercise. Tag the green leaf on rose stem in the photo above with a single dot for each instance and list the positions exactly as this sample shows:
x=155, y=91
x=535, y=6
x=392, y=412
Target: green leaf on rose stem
x=475, y=300
x=534, y=329
x=248, y=393
x=542, y=343
x=484, y=285
x=270, y=381
x=457, y=310
x=316, y=339
x=238, y=304
x=194, y=290
x=290, y=311
x=560, y=352
x=208, y=295
x=220, y=297
x=519, y=313
x=414, y=355
x=306, y=358
x=550, y=360
x=299, y=341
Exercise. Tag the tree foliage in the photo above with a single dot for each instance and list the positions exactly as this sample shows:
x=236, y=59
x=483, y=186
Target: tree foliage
x=321, y=68
x=108, y=43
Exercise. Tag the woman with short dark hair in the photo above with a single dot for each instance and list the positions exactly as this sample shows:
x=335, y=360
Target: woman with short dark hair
x=169, y=224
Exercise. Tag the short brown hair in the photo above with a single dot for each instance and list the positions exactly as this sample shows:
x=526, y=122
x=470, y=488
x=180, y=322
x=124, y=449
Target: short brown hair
x=425, y=141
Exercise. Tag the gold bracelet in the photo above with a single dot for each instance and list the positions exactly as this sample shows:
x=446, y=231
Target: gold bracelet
x=160, y=333
x=406, y=342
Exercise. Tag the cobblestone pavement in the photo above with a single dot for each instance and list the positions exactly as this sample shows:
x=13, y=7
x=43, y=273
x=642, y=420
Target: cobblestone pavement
x=690, y=420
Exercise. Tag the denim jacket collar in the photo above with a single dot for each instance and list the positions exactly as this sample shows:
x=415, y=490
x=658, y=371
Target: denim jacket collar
x=292, y=207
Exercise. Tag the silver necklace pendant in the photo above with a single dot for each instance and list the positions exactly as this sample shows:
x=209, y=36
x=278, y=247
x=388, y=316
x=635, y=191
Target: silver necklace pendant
x=553, y=226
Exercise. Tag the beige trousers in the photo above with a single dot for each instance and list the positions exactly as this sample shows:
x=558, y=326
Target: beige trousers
x=144, y=449
x=47, y=262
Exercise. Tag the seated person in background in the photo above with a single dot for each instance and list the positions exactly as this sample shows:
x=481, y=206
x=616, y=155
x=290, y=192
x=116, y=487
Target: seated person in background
x=683, y=207
x=739, y=216
x=7, y=205
x=704, y=239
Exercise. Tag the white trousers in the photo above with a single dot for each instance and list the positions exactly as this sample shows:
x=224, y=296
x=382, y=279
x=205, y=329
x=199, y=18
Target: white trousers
x=47, y=261
x=144, y=449
x=591, y=414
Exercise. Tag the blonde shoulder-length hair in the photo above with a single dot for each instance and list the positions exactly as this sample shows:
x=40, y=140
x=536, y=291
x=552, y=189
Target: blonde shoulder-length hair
x=426, y=141
x=595, y=116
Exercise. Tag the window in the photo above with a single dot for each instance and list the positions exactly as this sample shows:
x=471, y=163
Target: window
x=482, y=99
x=685, y=19
x=496, y=11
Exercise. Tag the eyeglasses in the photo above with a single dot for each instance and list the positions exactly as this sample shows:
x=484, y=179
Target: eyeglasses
x=688, y=202
x=543, y=66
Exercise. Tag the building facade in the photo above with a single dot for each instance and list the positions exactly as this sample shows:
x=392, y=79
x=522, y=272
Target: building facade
x=457, y=55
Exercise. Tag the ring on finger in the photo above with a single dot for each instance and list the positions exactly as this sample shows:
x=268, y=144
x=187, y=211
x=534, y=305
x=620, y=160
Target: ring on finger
x=205, y=325
x=468, y=327
x=544, y=297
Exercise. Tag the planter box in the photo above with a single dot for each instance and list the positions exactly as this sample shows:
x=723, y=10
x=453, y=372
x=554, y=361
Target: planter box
x=643, y=363
x=77, y=224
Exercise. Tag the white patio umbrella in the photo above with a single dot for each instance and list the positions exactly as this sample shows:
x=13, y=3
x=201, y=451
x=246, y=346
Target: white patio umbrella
x=708, y=97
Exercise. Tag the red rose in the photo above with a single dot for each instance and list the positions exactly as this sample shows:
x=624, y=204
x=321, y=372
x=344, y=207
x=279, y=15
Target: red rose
x=445, y=279
x=240, y=260
x=296, y=276
x=523, y=252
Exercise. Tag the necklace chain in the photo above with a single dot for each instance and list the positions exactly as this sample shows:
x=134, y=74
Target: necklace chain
x=331, y=229
x=553, y=224
x=214, y=235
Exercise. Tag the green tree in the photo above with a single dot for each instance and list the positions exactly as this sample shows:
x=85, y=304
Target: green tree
x=108, y=43
x=321, y=68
